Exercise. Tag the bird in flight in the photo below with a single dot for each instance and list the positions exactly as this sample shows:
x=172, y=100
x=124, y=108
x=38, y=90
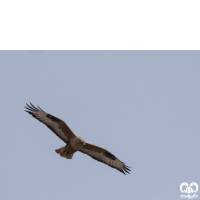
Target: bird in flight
x=73, y=142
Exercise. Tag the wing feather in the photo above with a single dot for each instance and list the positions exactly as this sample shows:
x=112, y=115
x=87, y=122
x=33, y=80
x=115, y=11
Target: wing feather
x=104, y=156
x=55, y=124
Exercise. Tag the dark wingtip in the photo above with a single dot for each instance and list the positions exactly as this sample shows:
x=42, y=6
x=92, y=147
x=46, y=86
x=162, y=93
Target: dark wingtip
x=40, y=108
x=28, y=112
x=31, y=108
x=123, y=172
x=126, y=168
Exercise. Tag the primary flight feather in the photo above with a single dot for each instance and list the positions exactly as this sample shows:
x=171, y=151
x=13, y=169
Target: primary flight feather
x=73, y=142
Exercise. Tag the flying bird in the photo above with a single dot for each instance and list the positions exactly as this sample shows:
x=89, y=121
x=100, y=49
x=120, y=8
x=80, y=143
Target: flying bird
x=73, y=142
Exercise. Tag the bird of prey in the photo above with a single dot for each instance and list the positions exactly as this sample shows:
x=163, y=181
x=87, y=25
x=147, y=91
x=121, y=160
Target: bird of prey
x=73, y=142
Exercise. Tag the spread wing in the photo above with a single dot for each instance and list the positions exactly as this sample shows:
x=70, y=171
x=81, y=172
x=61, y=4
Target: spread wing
x=104, y=156
x=58, y=126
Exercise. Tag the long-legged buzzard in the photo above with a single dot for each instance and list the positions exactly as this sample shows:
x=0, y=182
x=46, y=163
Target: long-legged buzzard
x=73, y=142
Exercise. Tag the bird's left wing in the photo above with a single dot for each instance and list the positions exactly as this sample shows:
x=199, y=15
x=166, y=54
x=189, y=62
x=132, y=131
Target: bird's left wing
x=58, y=126
x=104, y=156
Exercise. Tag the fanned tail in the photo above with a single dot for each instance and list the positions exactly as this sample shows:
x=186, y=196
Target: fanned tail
x=64, y=153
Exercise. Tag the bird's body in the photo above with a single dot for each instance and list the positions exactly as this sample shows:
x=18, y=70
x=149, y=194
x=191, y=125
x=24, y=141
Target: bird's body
x=73, y=142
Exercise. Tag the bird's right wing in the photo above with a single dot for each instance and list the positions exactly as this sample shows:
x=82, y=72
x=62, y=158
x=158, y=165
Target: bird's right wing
x=58, y=126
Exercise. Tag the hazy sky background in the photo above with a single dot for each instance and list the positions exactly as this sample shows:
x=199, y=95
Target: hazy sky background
x=142, y=106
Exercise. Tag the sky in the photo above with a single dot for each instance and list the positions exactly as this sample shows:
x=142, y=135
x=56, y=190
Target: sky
x=142, y=106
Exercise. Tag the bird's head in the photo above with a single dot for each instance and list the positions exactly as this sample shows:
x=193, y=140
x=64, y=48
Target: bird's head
x=80, y=141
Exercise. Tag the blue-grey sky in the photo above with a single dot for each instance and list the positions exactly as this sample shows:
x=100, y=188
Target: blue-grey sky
x=142, y=106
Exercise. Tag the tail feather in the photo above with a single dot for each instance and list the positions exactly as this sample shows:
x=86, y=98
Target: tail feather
x=64, y=153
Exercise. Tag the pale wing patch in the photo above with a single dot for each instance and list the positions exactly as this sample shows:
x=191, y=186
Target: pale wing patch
x=53, y=123
x=112, y=162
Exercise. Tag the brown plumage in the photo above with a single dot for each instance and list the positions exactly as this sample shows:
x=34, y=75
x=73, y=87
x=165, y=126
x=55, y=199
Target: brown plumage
x=73, y=142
